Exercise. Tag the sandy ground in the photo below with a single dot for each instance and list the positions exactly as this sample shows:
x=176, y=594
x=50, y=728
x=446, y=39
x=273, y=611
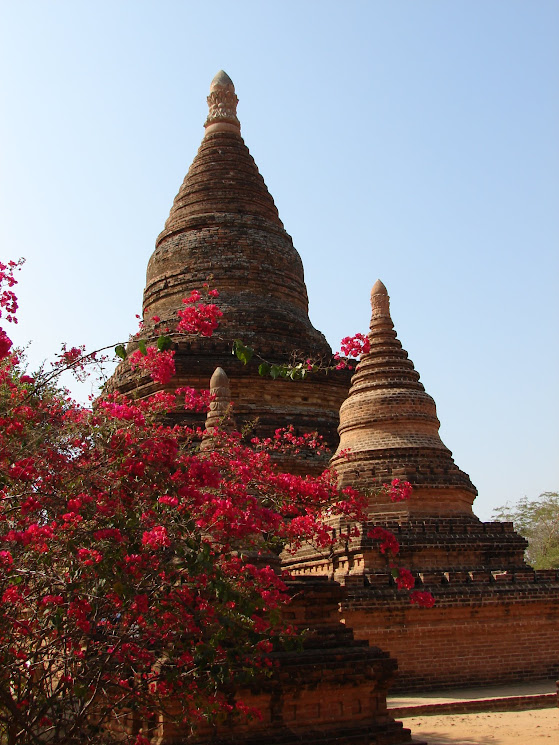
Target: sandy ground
x=488, y=728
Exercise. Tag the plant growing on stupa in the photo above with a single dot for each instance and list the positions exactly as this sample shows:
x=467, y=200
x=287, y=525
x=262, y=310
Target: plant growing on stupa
x=135, y=577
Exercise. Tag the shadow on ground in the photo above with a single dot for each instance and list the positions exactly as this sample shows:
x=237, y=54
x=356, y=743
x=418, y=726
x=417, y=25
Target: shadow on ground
x=456, y=730
x=436, y=738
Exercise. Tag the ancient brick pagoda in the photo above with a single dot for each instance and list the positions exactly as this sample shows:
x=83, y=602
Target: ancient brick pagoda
x=495, y=619
x=224, y=228
x=389, y=426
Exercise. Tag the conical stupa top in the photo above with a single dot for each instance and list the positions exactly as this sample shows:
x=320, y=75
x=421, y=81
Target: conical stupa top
x=389, y=428
x=224, y=225
x=379, y=289
x=222, y=80
x=219, y=381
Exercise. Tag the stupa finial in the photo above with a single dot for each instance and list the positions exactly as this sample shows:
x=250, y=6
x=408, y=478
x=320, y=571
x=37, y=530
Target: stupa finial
x=380, y=302
x=222, y=103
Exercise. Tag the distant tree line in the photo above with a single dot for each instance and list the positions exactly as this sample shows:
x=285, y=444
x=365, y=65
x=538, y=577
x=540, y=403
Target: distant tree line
x=538, y=521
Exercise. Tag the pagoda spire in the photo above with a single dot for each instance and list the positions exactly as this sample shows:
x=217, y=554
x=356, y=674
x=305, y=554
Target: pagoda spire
x=389, y=429
x=222, y=102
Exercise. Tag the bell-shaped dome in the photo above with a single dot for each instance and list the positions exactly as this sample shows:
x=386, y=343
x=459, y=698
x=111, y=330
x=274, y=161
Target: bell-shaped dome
x=389, y=429
x=224, y=227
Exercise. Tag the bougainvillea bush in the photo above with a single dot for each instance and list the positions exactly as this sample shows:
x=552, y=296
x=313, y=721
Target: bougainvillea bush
x=135, y=567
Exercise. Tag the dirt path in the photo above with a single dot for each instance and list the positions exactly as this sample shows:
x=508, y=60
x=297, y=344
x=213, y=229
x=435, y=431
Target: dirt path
x=489, y=728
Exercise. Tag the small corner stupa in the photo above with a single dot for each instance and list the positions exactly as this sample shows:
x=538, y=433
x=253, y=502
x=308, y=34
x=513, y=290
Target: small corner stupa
x=220, y=414
x=224, y=229
x=389, y=430
x=495, y=618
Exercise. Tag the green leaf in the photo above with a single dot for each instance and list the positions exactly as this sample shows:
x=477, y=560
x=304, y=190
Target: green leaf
x=275, y=371
x=58, y=618
x=247, y=355
x=142, y=346
x=237, y=344
x=264, y=369
x=163, y=343
x=243, y=353
x=120, y=351
x=80, y=690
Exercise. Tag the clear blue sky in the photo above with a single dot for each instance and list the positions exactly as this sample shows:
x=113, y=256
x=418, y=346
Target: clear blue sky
x=412, y=141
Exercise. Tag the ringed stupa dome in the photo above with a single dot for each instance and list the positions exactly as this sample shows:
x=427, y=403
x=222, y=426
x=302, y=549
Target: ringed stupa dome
x=389, y=429
x=224, y=225
x=224, y=229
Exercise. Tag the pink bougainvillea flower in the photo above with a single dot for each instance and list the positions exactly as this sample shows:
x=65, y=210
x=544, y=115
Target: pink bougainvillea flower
x=405, y=579
x=5, y=344
x=423, y=599
x=156, y=538
x=388, y=541
x=160, y=365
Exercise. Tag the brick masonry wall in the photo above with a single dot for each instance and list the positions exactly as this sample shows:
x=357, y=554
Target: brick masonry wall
x=495, y=619
x=475, y=636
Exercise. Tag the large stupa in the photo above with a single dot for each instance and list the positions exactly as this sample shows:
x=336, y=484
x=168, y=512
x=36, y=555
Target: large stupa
x=224, y=228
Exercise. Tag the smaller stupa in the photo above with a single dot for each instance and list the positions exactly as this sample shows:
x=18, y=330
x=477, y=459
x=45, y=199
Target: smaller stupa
x=220, y=414
x=389, y=430
x=494, y=618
